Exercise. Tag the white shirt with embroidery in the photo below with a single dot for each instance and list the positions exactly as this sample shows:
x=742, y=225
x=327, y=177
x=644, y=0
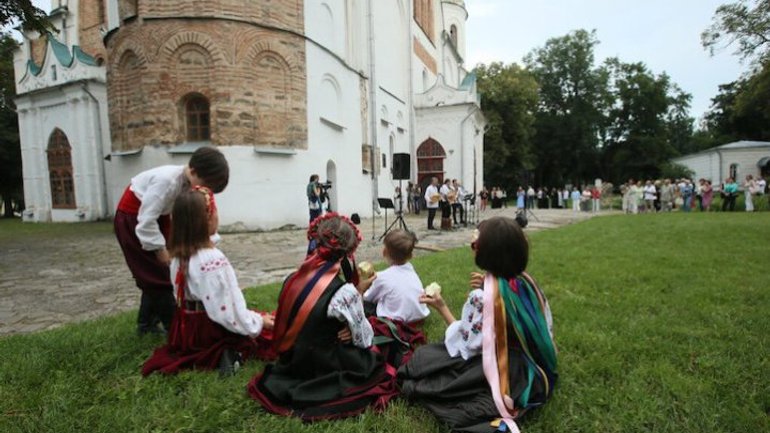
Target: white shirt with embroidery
x=430, y=192
x=211, y=279
x=396, y=291
x=463, y=336
x=347, y=306
x=157, y=189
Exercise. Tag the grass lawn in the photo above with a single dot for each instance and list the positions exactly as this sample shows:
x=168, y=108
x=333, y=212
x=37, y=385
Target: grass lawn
x=661, y=322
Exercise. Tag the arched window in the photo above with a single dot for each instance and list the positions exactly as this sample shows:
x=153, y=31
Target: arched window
x=197, y=118
x=60, y=171
x=734, y=171
x=453, y=34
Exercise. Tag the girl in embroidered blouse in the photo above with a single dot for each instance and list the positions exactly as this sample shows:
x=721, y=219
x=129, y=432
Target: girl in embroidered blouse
x=212, y=326
x=497, y=360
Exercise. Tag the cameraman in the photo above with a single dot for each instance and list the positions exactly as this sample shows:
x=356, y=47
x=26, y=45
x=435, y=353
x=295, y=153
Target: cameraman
x=313, y=192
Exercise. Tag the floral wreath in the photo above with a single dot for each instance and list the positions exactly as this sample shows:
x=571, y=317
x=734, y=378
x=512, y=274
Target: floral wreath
x=211, y=204
x=328, y=243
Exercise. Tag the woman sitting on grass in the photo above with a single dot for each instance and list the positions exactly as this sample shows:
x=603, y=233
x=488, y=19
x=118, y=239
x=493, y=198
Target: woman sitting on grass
x=212, y=326
x=499, y=359
x=327, y=367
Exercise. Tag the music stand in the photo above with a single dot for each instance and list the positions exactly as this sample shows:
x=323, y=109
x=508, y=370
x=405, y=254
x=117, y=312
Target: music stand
x=386, y=204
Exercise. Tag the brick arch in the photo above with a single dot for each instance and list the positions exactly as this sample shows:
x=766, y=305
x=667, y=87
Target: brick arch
x=272, y=82
x=169, y=48
x=260, y=48
x=128, y=45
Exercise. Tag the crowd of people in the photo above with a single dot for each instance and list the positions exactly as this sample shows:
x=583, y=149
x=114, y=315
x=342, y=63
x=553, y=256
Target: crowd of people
x=341, y=339
x=665, y=195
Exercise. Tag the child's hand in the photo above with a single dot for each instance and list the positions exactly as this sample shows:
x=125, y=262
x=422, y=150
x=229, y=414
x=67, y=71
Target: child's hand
x=268, y=321
x=364, y=284
x=435, y=301
x=163, y=256
x=477, y=279
x=345, y=336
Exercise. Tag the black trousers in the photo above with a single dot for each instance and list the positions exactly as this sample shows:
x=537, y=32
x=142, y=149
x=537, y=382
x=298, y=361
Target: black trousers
x=728, y=203
x=457, y=207
x=157, y=306
x=431, y=216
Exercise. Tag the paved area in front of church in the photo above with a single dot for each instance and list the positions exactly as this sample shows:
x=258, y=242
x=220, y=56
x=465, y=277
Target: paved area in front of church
x=51, y=283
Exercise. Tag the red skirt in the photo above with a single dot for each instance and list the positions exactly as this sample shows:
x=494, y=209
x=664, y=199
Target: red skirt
x=197, y=342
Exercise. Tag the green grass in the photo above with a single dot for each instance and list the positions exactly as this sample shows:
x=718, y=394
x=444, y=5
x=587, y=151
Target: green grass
x=661, y=323
x=13, y=229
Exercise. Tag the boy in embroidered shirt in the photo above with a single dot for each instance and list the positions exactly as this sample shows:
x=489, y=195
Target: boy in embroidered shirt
x=397, y=290
x=142, y=223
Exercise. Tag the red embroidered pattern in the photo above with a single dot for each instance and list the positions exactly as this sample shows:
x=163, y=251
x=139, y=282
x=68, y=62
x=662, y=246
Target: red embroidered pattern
x=215, y=264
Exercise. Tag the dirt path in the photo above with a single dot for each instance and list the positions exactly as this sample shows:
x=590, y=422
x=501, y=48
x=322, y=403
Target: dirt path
x=49, y=282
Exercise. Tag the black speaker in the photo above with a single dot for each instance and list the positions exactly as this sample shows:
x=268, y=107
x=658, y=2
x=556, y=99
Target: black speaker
x=400, y=166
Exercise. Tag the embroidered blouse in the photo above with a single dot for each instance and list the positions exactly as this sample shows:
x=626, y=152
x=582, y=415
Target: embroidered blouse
x=463, y=336
x=211, y=279
x=347, y=306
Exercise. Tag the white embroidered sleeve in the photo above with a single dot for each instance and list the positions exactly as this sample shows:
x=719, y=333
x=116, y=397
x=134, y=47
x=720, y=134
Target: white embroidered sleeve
x=223, y=299
x=346, y=306
x=463, y=336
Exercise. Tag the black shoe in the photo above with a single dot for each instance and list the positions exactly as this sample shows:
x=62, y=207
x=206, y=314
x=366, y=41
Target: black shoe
x=229, y=363
x=143, y=330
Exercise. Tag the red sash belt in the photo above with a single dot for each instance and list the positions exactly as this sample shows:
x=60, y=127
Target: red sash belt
x=129, y=203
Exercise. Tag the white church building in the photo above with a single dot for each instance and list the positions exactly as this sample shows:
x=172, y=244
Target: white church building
x=285, y=90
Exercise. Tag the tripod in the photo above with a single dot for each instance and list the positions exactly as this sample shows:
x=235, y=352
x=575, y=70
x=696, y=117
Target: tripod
x=386, y=204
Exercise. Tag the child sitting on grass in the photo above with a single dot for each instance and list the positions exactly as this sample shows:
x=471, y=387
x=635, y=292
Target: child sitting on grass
x=212, y=327
x=396, y=291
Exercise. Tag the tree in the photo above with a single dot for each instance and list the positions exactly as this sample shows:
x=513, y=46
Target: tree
x=570, y=114
x=31, y=17
x=509, y=102
x=11, y=189
x=648, y=122
x=740, y=23
x=741, y=109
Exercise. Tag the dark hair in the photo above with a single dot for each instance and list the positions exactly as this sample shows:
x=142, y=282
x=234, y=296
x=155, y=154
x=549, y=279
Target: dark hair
x=313, y=177
x=211, y=167
x=189, y=225
x=502, y=248
x=400, y=244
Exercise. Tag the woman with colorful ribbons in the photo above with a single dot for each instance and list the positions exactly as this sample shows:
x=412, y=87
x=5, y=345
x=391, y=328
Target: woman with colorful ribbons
x=498, y=360
x=327, y=366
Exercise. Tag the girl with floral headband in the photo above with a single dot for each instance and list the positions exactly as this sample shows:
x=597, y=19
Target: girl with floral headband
x=326, y=367
x=212, y=327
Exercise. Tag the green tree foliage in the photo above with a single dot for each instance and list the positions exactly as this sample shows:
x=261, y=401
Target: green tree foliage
x=744, y=23
x=509, y=102
x=10, y=151
x=570, y=113
x=31, y=17
x=647, y=122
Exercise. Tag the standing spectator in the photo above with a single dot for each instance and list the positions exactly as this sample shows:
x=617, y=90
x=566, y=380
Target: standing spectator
x=761, y=185
x=649, y=196
x=749, y=188
x=417, y=198
x=497, y=197
x=520, y=198
x=575, y=197
x=707, y=194
x=503, y=197
x=634, y=195
x=624, y=191
x=560, y=199
x=596, y=198
x=530, y=197
x=687, y=193
x=666, y=196
x=483, y=199
x=409, y=195
x=729, y=191
x=539, y=195
x=565, y=196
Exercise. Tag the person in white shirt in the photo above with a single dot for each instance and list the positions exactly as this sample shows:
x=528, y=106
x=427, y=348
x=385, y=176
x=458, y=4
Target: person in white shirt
x=142, y=224
x=575, y=197
x=749, y=189
x=396, y=291
x=457, y=206
x=212, y=327
x=432, y=197
x=649, y=196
